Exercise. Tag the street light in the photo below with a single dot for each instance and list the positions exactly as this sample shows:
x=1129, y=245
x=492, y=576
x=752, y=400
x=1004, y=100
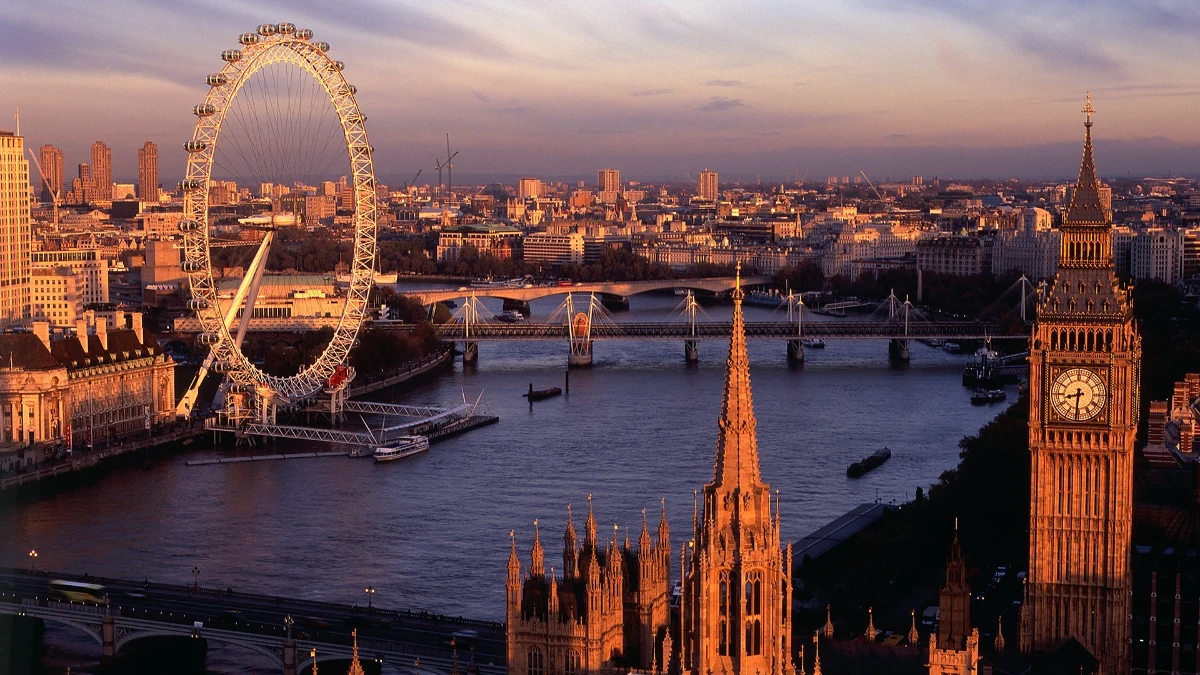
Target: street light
x=196, y=579
x=289, y=621
x=370, y=594
x=32, y=561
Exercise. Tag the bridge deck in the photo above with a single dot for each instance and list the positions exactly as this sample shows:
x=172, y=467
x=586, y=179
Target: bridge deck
x=710, y=330
x=142, y=609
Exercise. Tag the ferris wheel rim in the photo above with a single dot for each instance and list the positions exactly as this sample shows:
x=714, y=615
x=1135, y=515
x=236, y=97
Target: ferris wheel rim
x=266, y=48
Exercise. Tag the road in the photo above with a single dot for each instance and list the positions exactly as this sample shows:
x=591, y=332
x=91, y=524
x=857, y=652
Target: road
x=421, y=634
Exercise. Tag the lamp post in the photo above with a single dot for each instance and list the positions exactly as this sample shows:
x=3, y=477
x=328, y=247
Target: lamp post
x=288, y=621
x=196, y=579
x=33, y=560
x=370, y=594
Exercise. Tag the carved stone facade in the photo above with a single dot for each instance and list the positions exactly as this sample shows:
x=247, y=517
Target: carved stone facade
x=608, y=612
x=1084, y=376
x=737, y=584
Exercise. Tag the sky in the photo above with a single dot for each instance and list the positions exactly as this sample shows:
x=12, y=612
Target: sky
x=658, y=89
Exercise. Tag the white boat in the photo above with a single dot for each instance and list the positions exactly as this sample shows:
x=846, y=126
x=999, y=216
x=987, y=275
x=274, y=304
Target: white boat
x=404, y=446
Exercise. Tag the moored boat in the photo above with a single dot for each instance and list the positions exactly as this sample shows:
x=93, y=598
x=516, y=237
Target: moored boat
x=404, y=446
x=539, y=394
x=868, y=463
x=984, y=396
x=510, y=316
x=814, y=343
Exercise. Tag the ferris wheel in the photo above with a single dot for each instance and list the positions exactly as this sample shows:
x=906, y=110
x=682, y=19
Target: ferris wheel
x=280, y=116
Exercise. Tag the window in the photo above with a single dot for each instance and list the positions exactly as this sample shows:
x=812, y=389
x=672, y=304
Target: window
x=572, y=665
x=535, y=662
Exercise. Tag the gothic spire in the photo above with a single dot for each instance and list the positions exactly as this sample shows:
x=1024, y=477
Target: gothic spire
x=514, y=563
x=999, y=636
x=1086, y=208
x=590, y=537
x=816, y=654
x=664, y=532
x=737, y=441
x=913, y=636
x=870, y=634
x=538, y=555
x=644, y=543
x=828, y=629
x=355, y=667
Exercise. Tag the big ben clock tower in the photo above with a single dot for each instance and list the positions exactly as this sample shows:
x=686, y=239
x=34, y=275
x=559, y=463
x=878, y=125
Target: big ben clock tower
x=1084, y=371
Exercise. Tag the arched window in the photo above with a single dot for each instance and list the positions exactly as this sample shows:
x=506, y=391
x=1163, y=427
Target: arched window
x=535, y=662
x=722, y=638
x=723, y=595
x=572, y=665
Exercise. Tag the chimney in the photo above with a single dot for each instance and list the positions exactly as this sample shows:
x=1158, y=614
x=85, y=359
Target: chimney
x=135, y=322
x=102, y=332
x=90, y=315
x=81, y=332
x=42, y=330
x=118, y=320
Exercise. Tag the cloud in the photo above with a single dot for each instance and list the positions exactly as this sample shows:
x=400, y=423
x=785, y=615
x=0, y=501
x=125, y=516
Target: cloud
x=649, y=92
x=725, y=83
x=721, y=103
x=481, y=97
x=895, y=135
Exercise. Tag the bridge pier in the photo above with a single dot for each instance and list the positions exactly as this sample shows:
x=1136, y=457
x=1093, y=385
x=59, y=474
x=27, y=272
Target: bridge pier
x=521, y=306
x=581, y=354
x=795, y=352
x=898, y=350
x=289, y=657
x=108, y=641
x=691, y=351
x=470, y=352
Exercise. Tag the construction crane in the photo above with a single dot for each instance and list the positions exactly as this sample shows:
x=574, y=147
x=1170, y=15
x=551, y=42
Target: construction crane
x=412, y=182
x=55, y=193
x=449, y=168
x=864, y=175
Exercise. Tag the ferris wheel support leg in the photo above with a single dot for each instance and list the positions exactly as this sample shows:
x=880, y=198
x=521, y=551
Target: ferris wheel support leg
x=254, y=276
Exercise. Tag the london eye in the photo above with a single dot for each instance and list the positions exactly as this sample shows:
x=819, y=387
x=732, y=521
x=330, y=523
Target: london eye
x=281, y=118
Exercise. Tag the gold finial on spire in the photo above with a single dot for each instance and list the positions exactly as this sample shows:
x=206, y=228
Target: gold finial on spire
x=1088, y=110
x=355, y=666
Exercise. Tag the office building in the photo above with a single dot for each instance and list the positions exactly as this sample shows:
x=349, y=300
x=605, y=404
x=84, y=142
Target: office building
x=15, y=230
x=148, y=172
x=102, y=171
x=608, y=180
x=706, y=186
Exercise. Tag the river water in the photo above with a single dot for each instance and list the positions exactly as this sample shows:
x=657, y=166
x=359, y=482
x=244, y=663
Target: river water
x=432, y=532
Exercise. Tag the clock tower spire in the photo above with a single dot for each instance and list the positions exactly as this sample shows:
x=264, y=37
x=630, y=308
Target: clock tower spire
x=1084, y=372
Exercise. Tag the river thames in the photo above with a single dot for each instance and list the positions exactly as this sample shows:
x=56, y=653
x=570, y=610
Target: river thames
x=432, y=532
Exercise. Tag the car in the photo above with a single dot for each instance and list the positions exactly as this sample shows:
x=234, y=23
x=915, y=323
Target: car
x=136, y=594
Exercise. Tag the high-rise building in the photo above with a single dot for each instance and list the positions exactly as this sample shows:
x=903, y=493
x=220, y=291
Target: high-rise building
x=51, y=160
x=706, y=185
x=15, y=231
x=737, y=583
x=529, y=188
x=1084, y=370
x=609, y=180
x=148, y=172
x=102, y=171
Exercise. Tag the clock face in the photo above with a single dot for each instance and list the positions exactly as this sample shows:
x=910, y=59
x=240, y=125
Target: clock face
x=1078, y=394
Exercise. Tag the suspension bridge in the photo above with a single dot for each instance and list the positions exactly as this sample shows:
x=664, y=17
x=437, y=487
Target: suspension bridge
x=581, y=320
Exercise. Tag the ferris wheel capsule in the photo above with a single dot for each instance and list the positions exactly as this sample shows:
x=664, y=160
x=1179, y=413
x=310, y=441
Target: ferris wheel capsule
x=193, y=266
x=321, y=46
x=191, y=185
x=216, y=80
x=267, y=29
x=352, y=89
x=248, y=38
x=208, y=339
x=204, y=110
x=286, y=28
x=223, y=367
x=197, y=304
x=303, y=34
x=195, y=146
x=189, y=225
x=231, y=55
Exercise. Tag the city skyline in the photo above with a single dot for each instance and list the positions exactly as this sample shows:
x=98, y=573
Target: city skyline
x=652, y=91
